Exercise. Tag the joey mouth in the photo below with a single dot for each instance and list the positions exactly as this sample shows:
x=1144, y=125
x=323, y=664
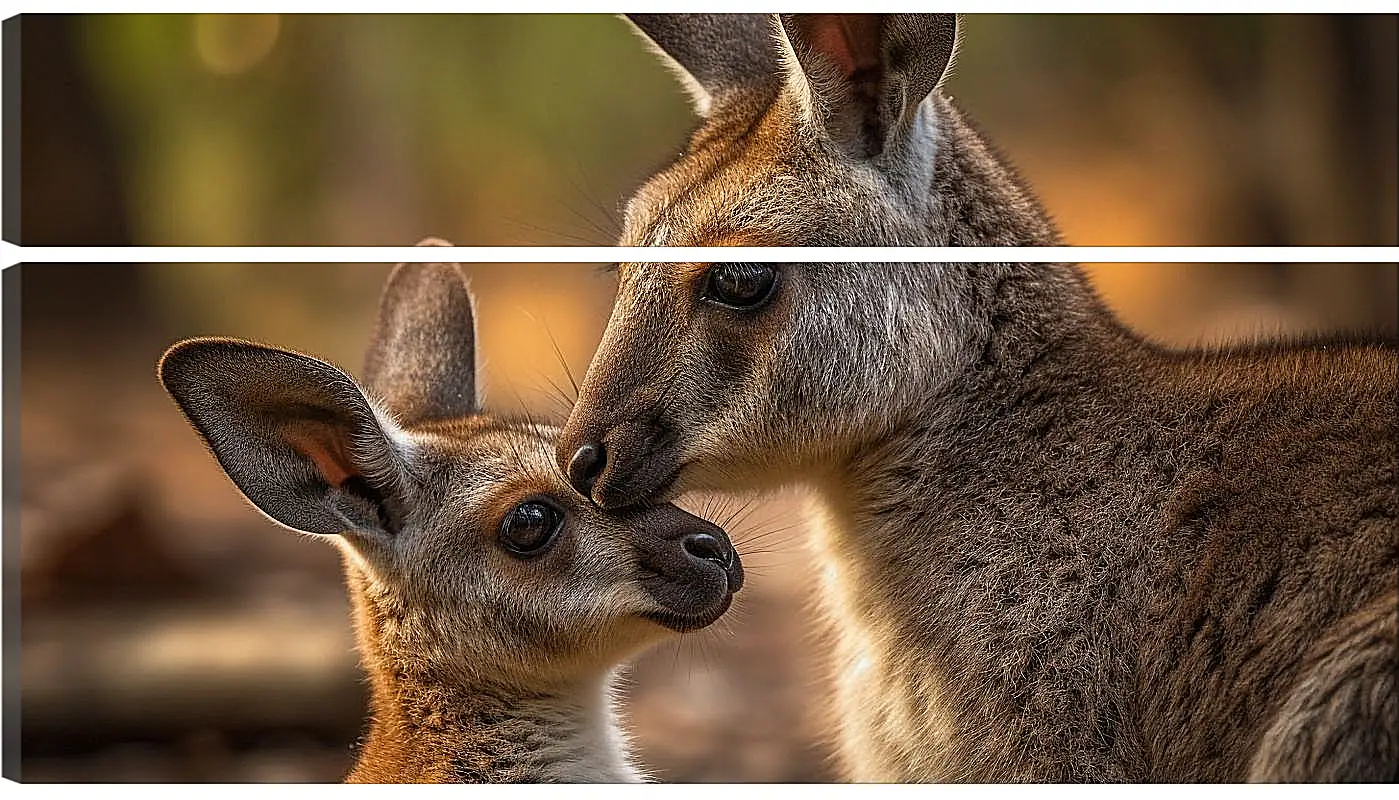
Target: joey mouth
x=688, y=566
x=685, y=623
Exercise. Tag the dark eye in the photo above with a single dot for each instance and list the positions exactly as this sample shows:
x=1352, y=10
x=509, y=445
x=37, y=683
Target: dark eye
x=741, y=285
x=530, y=527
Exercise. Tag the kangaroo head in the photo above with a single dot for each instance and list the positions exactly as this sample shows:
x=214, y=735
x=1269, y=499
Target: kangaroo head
x=735, y=375
x=470, y=557
x=824, y=129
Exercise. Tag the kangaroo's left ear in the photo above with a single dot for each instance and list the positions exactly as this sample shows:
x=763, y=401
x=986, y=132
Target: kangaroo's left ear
x=295, y=434
x=422, y=359
x=861, y=77
x=716, y=56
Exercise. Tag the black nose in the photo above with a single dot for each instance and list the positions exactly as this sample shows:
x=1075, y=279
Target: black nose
x=585, y=466
x=708, y=548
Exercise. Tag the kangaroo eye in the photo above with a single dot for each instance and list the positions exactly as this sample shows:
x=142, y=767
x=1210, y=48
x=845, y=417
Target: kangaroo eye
x=530, y=528
x=741, y=285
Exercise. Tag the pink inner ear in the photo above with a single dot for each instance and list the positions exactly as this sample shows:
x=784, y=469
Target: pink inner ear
x=851, y=41
x=321, y=444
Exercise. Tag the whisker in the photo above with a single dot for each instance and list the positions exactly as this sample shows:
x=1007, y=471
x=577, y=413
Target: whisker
x=604, y=236
x=762, y=552
x=584, y=184
x=558, y=393
x=558, y=352
x=734, y=515
x=554, y=235
x=759, y=570
x=766, y=535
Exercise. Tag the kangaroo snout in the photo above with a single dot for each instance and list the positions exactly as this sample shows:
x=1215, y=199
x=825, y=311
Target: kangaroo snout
x=621, y=466
x=707, y=547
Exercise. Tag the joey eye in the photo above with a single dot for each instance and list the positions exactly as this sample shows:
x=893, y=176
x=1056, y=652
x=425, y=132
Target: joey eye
x=742, y=286
x=529, y=528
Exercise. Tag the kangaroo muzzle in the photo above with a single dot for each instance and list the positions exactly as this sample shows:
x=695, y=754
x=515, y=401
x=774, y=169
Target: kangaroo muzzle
x=586, y=463
x=627, y=465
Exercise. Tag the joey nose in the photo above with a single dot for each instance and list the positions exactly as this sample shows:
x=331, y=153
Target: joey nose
x=716, y=550
x=708, y=548
x=585, y=466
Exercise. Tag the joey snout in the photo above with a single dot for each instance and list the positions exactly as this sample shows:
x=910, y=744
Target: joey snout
x=688, y=566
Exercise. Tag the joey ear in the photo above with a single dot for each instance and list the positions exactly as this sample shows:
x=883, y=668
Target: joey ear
x=294, y=433
x=422, y=359
x=714, y=55
x=861, y=77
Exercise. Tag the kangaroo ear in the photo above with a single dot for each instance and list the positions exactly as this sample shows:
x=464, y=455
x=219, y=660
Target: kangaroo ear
x=715, y=55
x=295, y=434
x=422, y=360
x=861, y=77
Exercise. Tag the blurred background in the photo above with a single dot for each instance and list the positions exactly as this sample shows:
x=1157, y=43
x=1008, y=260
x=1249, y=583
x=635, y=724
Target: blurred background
x=532, y=129
x=171, y=633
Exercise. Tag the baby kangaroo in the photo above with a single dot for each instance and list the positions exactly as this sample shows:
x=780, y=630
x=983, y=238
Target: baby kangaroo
x=492, y=604
x=1053, y=551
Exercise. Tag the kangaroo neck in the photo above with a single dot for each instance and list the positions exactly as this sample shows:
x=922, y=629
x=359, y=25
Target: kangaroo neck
x=424, y=731
x=975, y=197
x=931, y=532
x=1044, y=355
x=433, y=725
x=1011, y=328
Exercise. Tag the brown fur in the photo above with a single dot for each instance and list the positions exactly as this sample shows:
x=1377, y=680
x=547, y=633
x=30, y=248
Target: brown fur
x=1052, y=551
x=761, y=170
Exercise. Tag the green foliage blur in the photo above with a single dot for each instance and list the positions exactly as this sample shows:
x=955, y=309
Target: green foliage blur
x=251, y=129
x=533, y=129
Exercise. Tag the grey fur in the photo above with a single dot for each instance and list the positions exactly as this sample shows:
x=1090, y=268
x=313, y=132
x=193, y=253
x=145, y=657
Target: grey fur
x=259, y=408
x=716, y=55
x=421, y=361
x=804, y=156
x=866, y=85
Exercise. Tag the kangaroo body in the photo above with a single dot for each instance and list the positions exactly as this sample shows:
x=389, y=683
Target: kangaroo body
x=1051, y=551
x=1089, y=559
x=493, y=606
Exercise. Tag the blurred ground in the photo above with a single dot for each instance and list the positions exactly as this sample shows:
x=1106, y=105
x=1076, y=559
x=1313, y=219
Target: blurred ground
x=171, y=633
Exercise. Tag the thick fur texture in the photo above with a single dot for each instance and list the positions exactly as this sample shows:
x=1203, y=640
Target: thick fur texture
x=796, y=157
x=1052, y=551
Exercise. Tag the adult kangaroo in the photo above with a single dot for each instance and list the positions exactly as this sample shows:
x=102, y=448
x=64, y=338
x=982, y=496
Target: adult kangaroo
x=1053, y=551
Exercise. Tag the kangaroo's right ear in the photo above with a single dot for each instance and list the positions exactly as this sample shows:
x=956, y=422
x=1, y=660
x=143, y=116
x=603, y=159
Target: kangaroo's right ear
x=422, y=359
x=715, y=55
x=294, y=433
x=862, y=77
